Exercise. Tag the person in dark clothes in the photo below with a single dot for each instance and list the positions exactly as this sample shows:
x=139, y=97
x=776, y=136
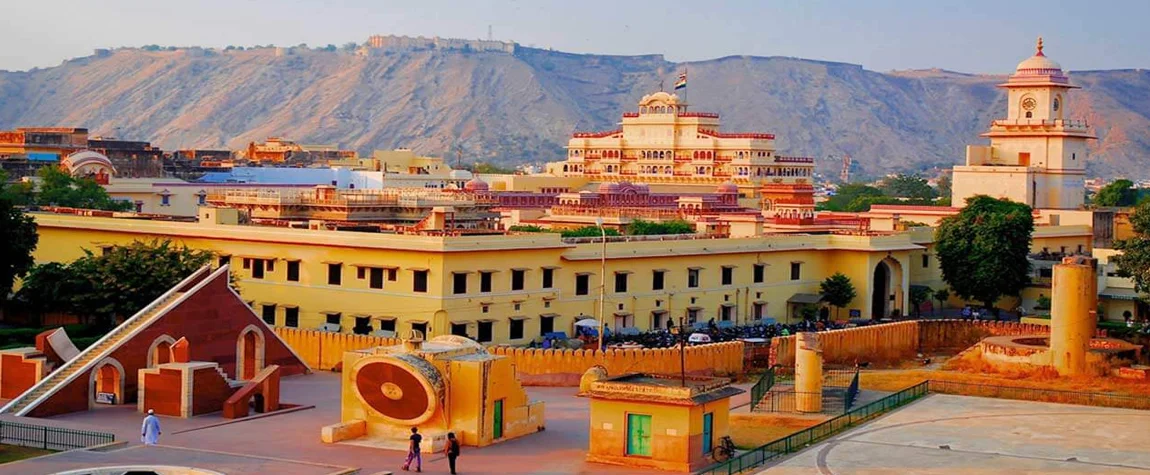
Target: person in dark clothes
x=451, y=450
x=413, y=454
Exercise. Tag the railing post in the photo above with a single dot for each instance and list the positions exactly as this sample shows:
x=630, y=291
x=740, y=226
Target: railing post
x=45, y=437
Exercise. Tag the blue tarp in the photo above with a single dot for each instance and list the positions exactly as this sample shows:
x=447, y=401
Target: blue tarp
x=44, y=157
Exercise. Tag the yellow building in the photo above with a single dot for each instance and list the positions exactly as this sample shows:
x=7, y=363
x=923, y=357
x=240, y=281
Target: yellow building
x=448, y=384
x=658, y=422
x=513, y=288
x=1035, y=156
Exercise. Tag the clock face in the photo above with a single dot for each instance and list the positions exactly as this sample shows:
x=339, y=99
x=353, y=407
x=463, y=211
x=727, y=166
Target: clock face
x=1029, y=103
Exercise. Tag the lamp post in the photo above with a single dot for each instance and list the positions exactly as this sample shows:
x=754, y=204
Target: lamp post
x=681, y=332
x=602, y=279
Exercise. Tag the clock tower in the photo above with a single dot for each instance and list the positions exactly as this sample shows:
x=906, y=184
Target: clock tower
x=1036, y=155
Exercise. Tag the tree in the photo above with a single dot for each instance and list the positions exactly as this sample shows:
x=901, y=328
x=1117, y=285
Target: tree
x=983, y=249
x=846, y=195
x=588, y=231
x=640, y=227
x=943, y=185
x=116, y=283
x=942, y=295
x=1117, y=193
x=19, y=194
x=487, y=168
x=58, y=188
x=838, y=291
x=1134, y=261
x=18, y=233
x=907, y=186
x=919, y=294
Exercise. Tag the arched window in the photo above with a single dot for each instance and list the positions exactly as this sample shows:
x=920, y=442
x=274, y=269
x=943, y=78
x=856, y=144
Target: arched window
x=1029, y=114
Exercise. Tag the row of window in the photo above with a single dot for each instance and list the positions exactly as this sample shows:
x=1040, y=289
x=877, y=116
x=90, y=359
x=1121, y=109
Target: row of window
x=375, y=276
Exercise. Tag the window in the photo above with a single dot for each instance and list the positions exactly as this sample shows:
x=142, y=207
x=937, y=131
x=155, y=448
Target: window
x=419, y=281
x=291, y=317
x=515, y=329
x=392, y=274
x=387, y=325
x=165, y=200
x=459, y=283
x=727, y=313
x=334, y=274
x=248, y=261
x=758, y=310
x=620, y=282
x=333, y=318
x=582, y=284
x=796, y=270
x=758, y=272
x=693, y=278
x=225, y=260
x=925, y=261
x=692, y=316
x=485, y=281
x=548, y=278
x=269, y=314
x=257, y=268
x=360, y=272
x=201, y=199
x=485, y=308
x=362, y=326
x=420, y=327
x=485, y=332
x=293, y=271
x=657, y=280
x=459, y=329
x=376, y=281
x=517, y=276
x=728, y=275
x=546, y=325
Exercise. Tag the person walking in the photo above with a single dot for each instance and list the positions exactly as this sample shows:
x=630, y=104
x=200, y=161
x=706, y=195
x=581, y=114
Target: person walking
x=150, y=430
x=413, y=454
x=451, y=450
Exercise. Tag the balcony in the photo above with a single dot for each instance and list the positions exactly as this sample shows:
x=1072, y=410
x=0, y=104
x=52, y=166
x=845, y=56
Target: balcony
x=781, y=159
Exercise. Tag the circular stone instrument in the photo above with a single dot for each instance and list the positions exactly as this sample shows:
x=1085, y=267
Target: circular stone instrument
x=403, y=389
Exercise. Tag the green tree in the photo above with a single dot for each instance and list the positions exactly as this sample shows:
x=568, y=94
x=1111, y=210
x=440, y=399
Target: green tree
x=588, y=231
x=19, y=238
x=48, y=287
x=58, y=188
x=983, y=250
x=942, y=295
x=1134, y=261
x=527, y=228
x=944, y=184
x=838, y=291
x=487, y=168
x=640, y=227
x=1119, y=192
x=919, y=294
x=907, y=186
x=19, y=193
x=846, y=195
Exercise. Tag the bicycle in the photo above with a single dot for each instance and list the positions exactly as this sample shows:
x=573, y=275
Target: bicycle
x=724, y=451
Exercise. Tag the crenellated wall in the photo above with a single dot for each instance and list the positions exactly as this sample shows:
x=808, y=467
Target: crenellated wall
x=562, y=367
x=890, y=342
x=324, y=350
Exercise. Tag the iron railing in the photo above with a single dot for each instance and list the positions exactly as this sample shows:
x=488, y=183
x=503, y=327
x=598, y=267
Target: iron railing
x=50, y=438
x=789, y=400
x=852, y=392
x=1040, y=395
x=762, y=386
x=804, y=438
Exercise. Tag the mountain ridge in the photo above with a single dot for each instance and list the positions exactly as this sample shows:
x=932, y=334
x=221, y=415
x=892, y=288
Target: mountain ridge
x=521, y=107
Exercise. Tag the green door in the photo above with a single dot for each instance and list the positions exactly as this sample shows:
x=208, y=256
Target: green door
x=708, y=432
x=497, y=431
x=639, y=434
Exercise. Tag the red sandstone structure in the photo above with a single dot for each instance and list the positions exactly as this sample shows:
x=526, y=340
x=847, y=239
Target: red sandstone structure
x=222, y=345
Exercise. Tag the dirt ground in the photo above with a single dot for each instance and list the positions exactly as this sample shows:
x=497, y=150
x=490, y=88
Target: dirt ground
x=12, y=453
x=750, y=430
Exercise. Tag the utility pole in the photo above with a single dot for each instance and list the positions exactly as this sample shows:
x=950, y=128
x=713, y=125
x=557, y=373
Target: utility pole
x=602, y=280
x=682, y=353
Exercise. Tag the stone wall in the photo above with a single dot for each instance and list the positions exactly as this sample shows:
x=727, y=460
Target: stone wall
x=324, y=350
x=561, y=367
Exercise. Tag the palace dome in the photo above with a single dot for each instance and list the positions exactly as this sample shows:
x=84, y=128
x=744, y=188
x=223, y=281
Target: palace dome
x=727, y=187
x=1038, y=64
x=475, y=184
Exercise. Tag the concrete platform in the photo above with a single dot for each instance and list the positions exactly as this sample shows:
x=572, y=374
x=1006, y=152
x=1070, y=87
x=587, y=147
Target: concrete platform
x=958, y=434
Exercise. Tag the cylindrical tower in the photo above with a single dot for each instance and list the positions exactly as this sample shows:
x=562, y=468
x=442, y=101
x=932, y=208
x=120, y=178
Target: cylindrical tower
x=808, y=373
x=1074, y=304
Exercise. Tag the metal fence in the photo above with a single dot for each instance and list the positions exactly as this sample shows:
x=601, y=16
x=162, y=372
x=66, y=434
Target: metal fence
x=789, y=400
x=762, y=386
x=50, y=438
x=804, y=438
x=852, y=392
x=1040, y=395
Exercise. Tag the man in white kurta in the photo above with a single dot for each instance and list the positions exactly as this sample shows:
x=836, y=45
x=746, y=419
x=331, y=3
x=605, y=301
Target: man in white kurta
x=150, y=431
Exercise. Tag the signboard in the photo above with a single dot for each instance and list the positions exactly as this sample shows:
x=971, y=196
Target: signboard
x=105, y=398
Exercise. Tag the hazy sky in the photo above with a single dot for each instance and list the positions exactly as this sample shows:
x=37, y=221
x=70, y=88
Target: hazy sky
x=969, y=36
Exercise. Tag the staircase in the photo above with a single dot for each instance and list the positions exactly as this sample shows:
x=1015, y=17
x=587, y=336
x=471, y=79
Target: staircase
x=90, y=355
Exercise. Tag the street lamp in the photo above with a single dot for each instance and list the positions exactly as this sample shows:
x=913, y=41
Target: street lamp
x=602, y=279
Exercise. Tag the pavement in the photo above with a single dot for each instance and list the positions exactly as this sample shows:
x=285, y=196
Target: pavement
x=944, y=434
x=289, y=441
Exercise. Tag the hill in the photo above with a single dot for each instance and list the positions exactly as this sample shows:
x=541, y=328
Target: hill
x=521, y=107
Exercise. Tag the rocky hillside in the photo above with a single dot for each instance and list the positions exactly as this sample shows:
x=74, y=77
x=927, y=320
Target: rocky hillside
x=521, y=108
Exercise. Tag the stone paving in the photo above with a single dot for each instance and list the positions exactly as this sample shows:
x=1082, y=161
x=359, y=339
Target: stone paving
x=959, y=434
x=293, y=439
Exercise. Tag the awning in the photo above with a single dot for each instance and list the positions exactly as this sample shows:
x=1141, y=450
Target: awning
x=805, y=298
x=1115, y=293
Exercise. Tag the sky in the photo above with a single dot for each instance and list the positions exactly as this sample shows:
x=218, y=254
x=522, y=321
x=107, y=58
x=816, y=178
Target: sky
x=976, y=36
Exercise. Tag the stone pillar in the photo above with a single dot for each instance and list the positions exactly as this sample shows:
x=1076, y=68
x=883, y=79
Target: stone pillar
x=1074, y=303
x=808, y=373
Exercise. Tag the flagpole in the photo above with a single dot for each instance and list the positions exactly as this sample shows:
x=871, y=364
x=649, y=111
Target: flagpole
x=688, y=104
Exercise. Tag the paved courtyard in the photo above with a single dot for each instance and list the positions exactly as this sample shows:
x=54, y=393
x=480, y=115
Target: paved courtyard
x=958, y=434
x=290, y=442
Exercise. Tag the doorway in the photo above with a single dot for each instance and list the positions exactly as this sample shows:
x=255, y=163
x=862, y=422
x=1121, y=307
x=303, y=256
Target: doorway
x=639, y=435
x=708, y=432
x=497, y=430
x=106, y=383
x=881, y=293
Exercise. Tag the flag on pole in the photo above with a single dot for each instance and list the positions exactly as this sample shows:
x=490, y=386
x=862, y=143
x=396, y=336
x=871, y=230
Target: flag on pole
x=682, y=82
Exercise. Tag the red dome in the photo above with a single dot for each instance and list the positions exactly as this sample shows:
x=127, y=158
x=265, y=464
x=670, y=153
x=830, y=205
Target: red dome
x=475, y=184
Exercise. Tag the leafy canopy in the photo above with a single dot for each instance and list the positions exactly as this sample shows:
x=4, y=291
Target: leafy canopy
x=919, y=294
x=1134, y=261
x=838, y=291
x=19, y=238
x=1117, y=193
x=58, y=188
x=588, y=231
x=678, y=226
x=907, y=186
x=983, y=249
